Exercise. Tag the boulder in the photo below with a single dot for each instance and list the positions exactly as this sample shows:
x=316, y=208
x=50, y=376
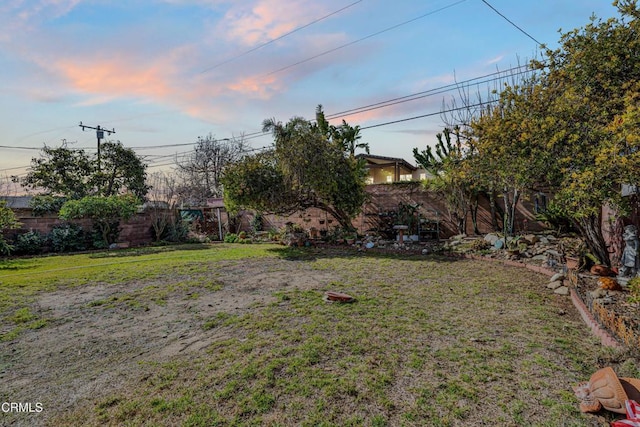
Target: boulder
x=491, y=238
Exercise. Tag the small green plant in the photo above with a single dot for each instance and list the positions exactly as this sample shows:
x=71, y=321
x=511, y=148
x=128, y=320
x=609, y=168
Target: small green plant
x=231, y=238
x=634, y=290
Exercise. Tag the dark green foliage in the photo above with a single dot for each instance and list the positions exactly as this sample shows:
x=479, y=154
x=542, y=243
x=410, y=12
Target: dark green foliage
x=105, y=212
x=177, y=232
x=75, y=174
x=231, y=238
x=257, y=222
x=67, y=238
x=30, y=243
x=43, y=204
x=8, y=221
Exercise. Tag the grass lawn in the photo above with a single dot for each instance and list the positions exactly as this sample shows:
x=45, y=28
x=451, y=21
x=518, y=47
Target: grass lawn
x=430, y=341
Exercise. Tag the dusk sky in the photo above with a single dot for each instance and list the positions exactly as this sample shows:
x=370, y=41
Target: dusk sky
x=163, y=73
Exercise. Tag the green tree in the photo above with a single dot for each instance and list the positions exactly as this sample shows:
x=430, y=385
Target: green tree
x=508, y=156
x=307, y=168
x=592, y=86
x=348, y=136
x=8, y=221
x=121, y=171
x=105, y=213
x=74, y=174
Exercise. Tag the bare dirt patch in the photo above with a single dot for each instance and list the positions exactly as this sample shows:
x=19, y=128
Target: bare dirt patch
x=97, y=336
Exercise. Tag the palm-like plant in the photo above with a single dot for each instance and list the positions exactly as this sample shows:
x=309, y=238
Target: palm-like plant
x=348, y=136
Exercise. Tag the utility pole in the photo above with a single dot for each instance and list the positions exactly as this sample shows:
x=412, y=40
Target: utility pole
x=100, y=135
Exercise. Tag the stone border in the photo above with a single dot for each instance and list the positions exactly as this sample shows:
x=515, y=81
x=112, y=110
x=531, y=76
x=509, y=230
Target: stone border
x=605, y=337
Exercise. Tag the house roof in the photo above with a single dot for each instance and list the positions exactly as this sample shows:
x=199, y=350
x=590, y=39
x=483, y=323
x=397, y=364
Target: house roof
x=383, y=160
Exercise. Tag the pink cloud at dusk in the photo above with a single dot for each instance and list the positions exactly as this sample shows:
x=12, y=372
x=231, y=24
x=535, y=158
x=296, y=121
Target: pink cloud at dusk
x=114, y=77
x=262, y=87
x=265, y=20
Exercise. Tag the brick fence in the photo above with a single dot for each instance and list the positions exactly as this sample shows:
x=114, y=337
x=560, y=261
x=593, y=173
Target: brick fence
x=136, y=231
x=383, y=200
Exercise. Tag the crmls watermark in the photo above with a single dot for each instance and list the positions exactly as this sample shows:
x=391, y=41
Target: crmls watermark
x=21, y=407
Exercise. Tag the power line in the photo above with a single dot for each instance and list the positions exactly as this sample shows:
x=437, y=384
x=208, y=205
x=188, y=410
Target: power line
x=363, y=38
x=512, y=23
x=450, y=110
x=20, y=148
x=427, y=93
x=278, y=38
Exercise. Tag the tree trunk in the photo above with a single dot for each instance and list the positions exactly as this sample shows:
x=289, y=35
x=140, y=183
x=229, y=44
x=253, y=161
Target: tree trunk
x=474, y=214
x=494, y=210
x=343, y=219
x=510, y=211
x=591, y=230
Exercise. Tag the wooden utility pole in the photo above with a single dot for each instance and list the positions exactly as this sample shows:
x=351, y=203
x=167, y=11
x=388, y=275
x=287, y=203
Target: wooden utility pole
x=100, y=135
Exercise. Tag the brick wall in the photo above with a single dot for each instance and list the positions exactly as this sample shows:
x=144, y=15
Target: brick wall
x=385, y=198
x=136, y=231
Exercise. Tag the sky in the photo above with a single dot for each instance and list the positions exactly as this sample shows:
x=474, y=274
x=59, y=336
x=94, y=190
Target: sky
x=162, y=73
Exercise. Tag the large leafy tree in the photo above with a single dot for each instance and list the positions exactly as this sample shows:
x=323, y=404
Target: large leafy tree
x=307, y=168
x=592, y=86
x=508, y=157
x=573, y=126
x=75, y=174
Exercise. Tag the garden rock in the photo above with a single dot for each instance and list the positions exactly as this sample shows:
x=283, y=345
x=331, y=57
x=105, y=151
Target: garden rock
x=555, y=284
x=491, y=238
x=562, y=290
x=598, y=293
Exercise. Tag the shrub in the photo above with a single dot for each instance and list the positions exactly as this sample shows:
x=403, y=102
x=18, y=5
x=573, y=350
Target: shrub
x=66, y=238
x=105, y=212
x=257, y=223
x=8, y=220
x=231, y=238
x=634, y=290
x=177, y=232
x=30, y=243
